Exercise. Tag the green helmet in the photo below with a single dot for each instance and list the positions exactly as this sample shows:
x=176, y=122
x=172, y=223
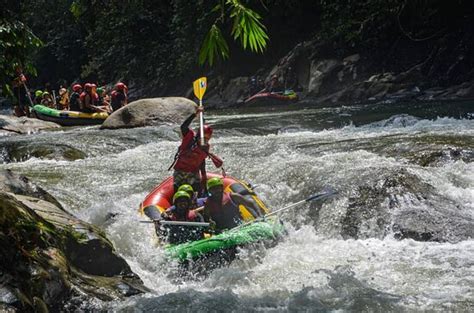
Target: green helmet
x=100, y=90
x=214, y=181
x=181, y=194
x=45, y=93
x=186, y=187
x=39, y=93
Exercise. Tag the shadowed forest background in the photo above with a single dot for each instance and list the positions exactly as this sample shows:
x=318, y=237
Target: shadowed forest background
x=154, y=45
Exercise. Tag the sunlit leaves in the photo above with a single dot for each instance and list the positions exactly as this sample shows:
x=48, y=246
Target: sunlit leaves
x=76, y=9
x=214, y=45
x=247, y=29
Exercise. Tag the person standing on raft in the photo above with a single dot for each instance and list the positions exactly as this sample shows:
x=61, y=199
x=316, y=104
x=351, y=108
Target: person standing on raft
x=190, y=161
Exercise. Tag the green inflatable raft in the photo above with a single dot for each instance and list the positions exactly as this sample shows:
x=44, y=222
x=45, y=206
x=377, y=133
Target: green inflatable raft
x=267, y=231
x=68, y=118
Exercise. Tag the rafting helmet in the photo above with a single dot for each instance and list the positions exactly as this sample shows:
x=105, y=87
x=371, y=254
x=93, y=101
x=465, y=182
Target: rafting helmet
x=121, y=86
x=187, y=188
x=181, y=194
x=38, y=93
x=45, y=93
x=100, y=90
x=214, y=181
x=88, y=86
x=76, y=87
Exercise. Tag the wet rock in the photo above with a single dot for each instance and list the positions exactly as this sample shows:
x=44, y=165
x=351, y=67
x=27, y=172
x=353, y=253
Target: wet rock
x=403, y=205
x=49, y=257
x=21, y=185
x=22, y=151
x=399, y=120
x=150, y=112
x=24, y=125
x=234, y=91
x=319, y=71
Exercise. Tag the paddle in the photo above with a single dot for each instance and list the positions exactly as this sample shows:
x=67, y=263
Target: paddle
x=179, y=223
x=23, y=81
x=199, y=86
x=319, y=196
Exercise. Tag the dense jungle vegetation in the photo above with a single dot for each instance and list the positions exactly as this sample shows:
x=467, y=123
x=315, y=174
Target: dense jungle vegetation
x=155, y=45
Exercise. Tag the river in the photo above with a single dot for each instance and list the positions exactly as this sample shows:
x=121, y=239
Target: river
x=327, y=262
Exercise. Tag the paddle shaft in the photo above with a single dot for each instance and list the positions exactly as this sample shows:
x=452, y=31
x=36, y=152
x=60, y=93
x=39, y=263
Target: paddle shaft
x=179, y=223
x=54, y=99
x=28, y=94
x=314, y=197
x=199, y=87
x=201, y=123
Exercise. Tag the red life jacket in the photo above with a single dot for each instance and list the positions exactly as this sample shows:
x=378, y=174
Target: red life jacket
x=190, y=217
x=226, y=217
x=191, y=155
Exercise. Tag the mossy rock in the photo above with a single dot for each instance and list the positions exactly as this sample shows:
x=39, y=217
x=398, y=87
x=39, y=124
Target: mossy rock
x=50, y=257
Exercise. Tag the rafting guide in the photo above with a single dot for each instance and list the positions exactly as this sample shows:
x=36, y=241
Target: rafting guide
x=202, y=216
x=190, y=161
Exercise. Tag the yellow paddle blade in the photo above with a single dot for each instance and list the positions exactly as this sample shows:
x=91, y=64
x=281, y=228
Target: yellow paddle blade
x=199, y=86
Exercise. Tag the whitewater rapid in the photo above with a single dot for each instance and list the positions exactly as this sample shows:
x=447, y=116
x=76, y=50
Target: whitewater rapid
x=288, y=156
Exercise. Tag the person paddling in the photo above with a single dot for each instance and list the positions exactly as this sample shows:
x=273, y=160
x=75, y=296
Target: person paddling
x=222, y=208
x=180, y=211
x=190, y=161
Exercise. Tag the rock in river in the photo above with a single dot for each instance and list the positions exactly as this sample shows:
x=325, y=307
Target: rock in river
x=51, y=259
x=151, y=112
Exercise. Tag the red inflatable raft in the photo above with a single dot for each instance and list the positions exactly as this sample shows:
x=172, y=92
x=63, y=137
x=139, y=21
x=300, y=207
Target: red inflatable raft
x=268, y=98
x=161, y=196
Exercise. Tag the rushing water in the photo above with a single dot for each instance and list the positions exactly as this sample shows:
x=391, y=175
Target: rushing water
x=290, y=154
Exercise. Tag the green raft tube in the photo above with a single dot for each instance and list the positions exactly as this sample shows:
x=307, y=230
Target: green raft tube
x=68, y=118
x=266, y=231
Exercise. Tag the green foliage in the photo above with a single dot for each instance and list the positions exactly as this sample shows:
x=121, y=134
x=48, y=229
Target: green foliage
x=17, y=43
x=214, y=45
x=247, y=28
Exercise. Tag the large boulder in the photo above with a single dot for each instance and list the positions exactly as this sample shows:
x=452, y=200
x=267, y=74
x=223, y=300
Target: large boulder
x=150, y=112
x=50, y=258
x=403, y=205
x=23, y=125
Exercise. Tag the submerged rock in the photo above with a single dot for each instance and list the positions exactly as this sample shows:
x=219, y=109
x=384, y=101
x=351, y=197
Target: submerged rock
x=24, y=125
x=150, y=112
x=403, y=205
x=22, y=151
x=50, y=257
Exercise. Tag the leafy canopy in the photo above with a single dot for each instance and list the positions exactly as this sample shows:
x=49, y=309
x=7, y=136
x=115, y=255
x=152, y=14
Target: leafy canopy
x=247, y=28
x=17, y=43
